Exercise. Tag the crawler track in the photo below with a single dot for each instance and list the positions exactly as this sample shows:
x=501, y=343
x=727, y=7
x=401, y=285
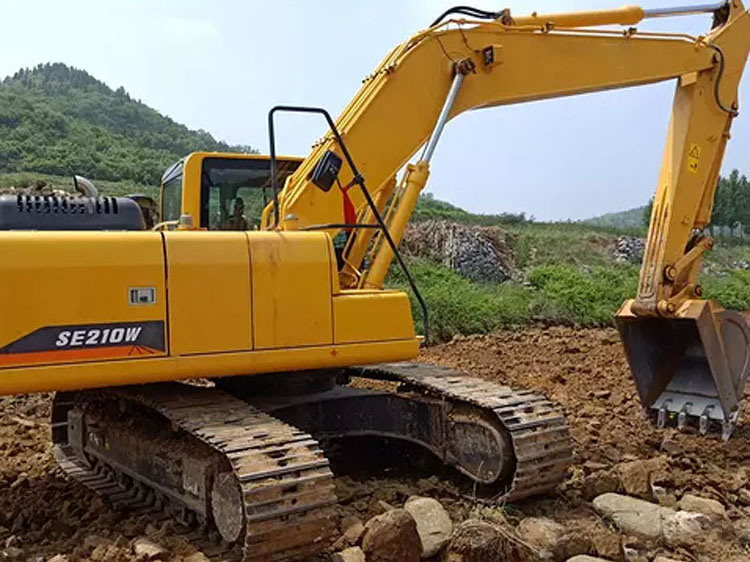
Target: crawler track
x=284, y=480
x=542, y=446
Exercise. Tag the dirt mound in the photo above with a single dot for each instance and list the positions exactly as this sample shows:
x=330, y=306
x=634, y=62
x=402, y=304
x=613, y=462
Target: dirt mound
x=479, y=253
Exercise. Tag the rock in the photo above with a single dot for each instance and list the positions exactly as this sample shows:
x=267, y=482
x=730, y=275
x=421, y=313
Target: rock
x=352, y=529
x=200, y=557
x=353, y=554
x=742, y=531
x=58, y=558
x=433, y=524
x=392, y=536
x=670, y=446
x=381, y=506
x=665, y=559
x=706, y=506
x=92, y=541
x=635, y=478
x=685, y=528
x=606, y=542
x=744, y=496
x=149, y=550
x=18, y=524
x=477, y=541
x=629, y=250
x=600, y=483
x=543, y=534
x=11, y=553
x=633, y=516
x=11, y=541
x=586, y=558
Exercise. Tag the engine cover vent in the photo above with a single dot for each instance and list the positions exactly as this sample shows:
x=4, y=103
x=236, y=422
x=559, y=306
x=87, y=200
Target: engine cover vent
x=54, y=212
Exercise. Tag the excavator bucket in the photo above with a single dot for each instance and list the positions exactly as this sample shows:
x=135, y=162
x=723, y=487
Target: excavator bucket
x=690, y=370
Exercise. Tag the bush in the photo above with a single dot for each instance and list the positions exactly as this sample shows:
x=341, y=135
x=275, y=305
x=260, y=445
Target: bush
x=732, y=291
x=459, y=306
x=566, y=295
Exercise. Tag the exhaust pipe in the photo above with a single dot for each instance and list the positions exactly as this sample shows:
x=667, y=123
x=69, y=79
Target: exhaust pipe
x=690, y=369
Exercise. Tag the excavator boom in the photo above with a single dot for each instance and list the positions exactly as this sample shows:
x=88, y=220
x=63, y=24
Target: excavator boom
x=689, y=357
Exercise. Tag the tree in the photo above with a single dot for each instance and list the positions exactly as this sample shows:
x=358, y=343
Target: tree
x=647, y=210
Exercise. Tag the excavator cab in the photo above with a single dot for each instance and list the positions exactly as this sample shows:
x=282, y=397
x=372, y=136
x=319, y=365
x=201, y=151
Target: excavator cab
x=220, y=191
x=690, y=370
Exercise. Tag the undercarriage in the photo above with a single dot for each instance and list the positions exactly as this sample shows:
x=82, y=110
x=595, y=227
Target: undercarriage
x=240, y=463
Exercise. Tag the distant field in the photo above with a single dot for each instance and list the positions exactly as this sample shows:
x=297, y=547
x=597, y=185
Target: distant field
x=566, y=274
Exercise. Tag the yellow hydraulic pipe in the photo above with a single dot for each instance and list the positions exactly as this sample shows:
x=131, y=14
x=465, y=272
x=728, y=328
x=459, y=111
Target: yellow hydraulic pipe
x=349, y=276
x=415, y=182
x=626, y=15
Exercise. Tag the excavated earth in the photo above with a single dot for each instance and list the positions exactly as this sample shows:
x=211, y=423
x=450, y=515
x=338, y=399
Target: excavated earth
x=43, y=515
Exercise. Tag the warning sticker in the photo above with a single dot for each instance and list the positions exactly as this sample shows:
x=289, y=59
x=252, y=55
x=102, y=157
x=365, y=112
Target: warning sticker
x=693, y=160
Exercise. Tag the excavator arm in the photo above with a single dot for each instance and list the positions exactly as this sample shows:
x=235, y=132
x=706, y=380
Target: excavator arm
x=458, y=65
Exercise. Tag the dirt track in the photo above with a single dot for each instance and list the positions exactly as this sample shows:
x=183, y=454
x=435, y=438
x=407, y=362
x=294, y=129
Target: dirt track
x=584, y=370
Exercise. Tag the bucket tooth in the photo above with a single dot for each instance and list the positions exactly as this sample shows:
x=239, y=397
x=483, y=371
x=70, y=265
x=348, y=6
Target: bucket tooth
x=696, y=361
x=682, y=417
x=727, y=427
x=661, y=418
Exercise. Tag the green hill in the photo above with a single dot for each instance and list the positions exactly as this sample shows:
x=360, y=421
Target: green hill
x=632, y=218
x=55, y=119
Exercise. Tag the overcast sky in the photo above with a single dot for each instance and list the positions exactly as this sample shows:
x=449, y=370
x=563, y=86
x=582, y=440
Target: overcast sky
x=221, y=66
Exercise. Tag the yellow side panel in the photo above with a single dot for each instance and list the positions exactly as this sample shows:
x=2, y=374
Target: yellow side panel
x=362, y=316
x=209, y=292
x=67, y=296
x=291, y=289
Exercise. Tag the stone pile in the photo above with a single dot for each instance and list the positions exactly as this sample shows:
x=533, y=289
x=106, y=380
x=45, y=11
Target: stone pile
x=474, y=252
x=628, y=249
x=421, y=529
x=37, y=187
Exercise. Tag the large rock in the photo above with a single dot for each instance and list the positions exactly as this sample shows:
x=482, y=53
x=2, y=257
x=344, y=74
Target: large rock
x=392, y=536
x=433, y=524
x=477, y=541
x=633, y=516
x=712, y=508
x=543, y=534
x=686, y=528
x=600, y=483
x=353, y=554
x=637, y=476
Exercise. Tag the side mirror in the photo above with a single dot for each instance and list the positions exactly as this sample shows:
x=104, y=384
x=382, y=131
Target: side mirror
x=326, y=171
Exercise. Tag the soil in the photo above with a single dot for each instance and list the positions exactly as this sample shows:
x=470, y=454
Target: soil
x=42, y=514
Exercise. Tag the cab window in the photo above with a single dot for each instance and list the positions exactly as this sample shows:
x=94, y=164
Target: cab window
x=171, y=193
x=234, y=191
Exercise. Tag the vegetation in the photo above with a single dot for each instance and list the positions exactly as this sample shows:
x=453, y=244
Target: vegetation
x=429, y=208
x=59, y=120
x=732, y=205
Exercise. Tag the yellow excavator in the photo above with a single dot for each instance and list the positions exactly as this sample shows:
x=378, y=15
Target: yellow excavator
x=264, y=285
